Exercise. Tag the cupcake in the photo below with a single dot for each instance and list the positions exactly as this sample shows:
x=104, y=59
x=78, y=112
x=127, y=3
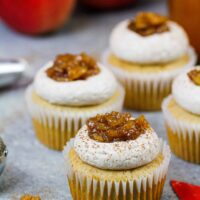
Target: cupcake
x=115, y=156
x=146, y=53
x=182, y=116
x=66, y=92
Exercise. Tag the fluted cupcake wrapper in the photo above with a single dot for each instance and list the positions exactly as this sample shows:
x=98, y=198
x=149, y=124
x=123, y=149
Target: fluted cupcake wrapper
x=55, y=126
x=146, y=91
x=183, y=136
x=144, y=187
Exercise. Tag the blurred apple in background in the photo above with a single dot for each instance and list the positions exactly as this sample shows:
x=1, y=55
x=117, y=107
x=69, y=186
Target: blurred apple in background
x=36, y=16
x=107, y=4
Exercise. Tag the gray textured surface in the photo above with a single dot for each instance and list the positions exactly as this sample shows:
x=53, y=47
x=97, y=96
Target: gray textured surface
x=32, y=168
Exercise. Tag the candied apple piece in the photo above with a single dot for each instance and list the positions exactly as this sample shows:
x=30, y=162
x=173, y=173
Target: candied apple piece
x=194, y=76
x=30, y=197
x=115, y=126
x=148, y=23
x=69, y=67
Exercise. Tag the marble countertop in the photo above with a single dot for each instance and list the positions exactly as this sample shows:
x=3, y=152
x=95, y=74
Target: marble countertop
x=31, y=167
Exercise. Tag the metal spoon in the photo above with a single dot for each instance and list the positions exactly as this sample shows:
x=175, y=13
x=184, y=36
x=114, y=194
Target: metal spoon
x=11, y=70
x=3, y=155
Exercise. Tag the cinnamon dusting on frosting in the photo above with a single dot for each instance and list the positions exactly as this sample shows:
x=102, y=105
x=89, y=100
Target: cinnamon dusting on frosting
x=194, y=76
x=70, y=67
x=148, y=23
x=116, y=126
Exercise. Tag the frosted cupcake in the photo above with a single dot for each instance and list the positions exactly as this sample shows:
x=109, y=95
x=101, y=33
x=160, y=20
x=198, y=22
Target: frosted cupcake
x=115, y=157
x=146, y=53
x=182, y=115
x=66, y=92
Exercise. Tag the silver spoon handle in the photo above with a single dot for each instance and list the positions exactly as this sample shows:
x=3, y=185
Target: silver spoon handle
x=12, y=66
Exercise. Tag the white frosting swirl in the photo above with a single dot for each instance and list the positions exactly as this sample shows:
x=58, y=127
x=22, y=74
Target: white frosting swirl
x=92, y=91
x=186, y=93
x=157, y=48
x=117, y=155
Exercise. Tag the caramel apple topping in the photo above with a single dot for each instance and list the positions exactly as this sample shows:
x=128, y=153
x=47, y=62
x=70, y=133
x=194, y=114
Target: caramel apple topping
x=69, y=67
x=30, y=197
x=194, y=76
x=115, y=126
x=148, y=23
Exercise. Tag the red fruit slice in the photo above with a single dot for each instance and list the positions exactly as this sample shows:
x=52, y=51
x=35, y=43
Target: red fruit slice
x=186, y=191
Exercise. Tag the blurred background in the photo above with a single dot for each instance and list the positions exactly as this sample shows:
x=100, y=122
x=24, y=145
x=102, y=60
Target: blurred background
x=38, y=30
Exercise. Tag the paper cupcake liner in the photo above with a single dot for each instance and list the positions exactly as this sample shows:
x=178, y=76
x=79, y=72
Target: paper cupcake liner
x=148, y=186
x=183, y=136
x=145, y=95
x=146, y=91
x=55, y=126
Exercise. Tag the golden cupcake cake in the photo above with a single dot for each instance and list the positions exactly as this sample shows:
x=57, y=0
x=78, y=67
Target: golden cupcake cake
x=146, y=53
x=182, y=116
x=66, y=92
x=115, y=156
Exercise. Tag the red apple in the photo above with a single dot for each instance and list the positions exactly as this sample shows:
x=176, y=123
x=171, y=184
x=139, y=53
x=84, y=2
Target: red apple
x=35, y=16
x=106, y=4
